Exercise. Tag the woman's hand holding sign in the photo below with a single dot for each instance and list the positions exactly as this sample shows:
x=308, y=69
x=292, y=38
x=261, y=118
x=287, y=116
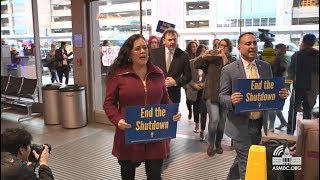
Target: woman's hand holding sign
x=123, y=125
x=177, y=117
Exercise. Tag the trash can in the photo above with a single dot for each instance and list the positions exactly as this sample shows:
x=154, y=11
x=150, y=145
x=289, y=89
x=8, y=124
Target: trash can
x=73, y=111
x=50, y=97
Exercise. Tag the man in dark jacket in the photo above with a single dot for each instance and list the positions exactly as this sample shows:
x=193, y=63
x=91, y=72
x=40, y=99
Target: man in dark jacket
x=174, y=63
x=15, y=150
x=300, y=71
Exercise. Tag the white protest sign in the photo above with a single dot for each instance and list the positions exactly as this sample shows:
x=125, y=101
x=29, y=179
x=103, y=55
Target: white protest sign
x=109, y=54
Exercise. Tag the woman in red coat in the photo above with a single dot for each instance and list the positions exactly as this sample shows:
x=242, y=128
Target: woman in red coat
x=132, y=81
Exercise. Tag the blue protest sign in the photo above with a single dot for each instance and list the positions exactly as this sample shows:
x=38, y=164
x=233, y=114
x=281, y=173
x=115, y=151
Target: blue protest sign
x=260, y=94
x=162, y=26
x=150, y=123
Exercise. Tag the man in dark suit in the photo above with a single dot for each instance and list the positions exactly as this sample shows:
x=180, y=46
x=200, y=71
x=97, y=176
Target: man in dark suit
x=174, y=63
x=244, y=128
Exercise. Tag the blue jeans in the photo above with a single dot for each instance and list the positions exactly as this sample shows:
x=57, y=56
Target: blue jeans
x=217, y=121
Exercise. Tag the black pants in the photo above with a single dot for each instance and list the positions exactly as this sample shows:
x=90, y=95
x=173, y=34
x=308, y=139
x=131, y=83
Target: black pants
x=64, y=70
x=200, y=110
x=300, y=96
x=189, y=103
x=152, y=168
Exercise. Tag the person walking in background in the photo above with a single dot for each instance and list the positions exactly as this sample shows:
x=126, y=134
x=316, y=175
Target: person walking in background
x=194, y=93
x=314, y=89
x=153, y=42
x=268, y=53
x=104, y=56
x=52, y=64
x=197, y=42
x=243, y=128
x=300, y=70
x=279, y=67
x=174, y=63
x=134, y=80
x=15, y=58
x=215, y=44
x=212, y=64
x=61, y=56
x=191, y=50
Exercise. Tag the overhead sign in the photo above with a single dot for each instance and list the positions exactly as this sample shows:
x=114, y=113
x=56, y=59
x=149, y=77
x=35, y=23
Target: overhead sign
x=150, y=123
x=260, y=94
x=162, y=26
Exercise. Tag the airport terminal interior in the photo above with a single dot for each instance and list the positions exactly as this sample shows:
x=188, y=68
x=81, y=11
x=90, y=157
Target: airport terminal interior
x=83, y=152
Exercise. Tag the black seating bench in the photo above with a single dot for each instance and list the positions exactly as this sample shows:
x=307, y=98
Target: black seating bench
x=19, y=91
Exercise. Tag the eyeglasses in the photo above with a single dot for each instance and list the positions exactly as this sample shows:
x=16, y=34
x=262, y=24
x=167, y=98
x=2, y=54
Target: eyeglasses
x=222, y=45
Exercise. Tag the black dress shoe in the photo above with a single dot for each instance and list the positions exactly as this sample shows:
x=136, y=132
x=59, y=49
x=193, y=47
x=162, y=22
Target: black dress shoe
x=190, y=115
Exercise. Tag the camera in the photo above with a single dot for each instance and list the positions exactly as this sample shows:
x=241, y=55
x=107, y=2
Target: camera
x=265, y=35
x=38, y=149
x=214, y=52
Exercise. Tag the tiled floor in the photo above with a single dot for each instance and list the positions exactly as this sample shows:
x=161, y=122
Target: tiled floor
x=85, y=153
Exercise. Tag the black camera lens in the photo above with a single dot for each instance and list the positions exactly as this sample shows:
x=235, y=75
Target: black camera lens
x=38, y=149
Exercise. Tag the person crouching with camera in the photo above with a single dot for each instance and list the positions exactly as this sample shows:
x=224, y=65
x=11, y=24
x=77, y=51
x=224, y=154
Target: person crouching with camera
x=15, y=152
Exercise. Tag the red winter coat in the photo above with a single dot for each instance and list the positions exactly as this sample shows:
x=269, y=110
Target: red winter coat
x=125, y=88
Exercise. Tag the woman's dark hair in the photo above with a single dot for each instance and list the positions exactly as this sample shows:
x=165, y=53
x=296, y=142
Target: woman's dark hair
x=188, y=49
x=123, y=58
x=63, y=43
x=199, y=49
x=14, y=138
x=229, y=44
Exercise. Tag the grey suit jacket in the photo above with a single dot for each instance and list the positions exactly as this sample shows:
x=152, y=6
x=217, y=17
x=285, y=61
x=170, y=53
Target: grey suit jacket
x=237, y=124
